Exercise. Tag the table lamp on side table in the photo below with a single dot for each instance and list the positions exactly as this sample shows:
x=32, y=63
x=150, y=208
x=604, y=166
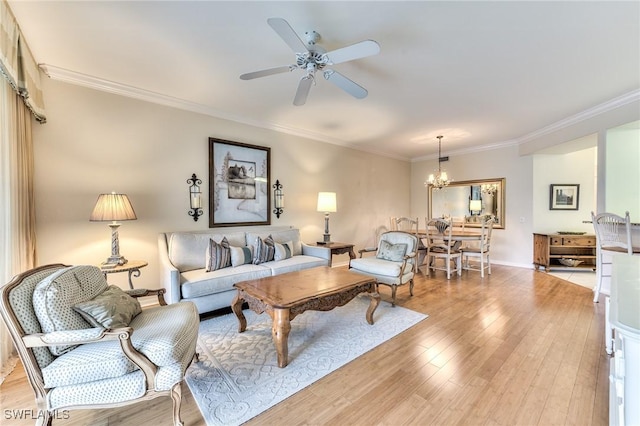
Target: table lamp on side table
x=326, y=204
x=113, y=207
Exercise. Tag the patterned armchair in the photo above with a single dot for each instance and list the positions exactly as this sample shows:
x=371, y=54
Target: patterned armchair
x=85, y=344
x=394, y=262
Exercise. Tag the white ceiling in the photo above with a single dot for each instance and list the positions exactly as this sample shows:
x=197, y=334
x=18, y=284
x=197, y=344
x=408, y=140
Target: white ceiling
x=480, y=73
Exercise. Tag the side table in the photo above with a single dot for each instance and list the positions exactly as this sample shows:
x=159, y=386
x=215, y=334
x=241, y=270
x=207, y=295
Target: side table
x=132, y=267
x=338, y=248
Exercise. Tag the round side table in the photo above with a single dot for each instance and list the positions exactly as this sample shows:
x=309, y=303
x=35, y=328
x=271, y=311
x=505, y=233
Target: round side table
x=132, y=267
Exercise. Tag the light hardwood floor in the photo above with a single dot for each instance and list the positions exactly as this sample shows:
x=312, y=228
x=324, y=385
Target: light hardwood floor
x=518, y=347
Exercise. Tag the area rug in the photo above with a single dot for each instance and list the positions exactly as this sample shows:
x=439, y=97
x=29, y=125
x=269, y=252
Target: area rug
x=237, y=376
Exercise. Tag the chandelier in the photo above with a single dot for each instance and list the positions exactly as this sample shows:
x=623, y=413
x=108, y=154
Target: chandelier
x=440, y=180
x=489, y=188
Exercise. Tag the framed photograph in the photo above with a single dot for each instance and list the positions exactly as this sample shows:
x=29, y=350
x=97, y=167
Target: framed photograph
x=564, y=197
x=239, y=182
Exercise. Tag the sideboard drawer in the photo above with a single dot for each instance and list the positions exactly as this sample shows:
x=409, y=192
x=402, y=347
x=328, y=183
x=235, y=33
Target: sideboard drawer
x=556, y=241
x=578, y=241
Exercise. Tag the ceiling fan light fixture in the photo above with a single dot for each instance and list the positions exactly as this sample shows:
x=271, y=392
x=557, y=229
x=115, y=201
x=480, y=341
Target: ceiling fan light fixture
x=311, y=58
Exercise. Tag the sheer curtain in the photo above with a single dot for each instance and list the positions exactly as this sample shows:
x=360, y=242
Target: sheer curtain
x=20, y=98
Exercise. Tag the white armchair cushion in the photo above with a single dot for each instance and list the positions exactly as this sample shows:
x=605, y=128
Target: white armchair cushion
x=88, y=363
x=374, y=265
x=55, y=296
x=164, y=334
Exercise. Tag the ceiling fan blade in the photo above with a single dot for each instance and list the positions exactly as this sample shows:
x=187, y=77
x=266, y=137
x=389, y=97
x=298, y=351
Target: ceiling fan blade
x=345, y=84
x=303, y=90
x=289, y=36
x=355, y=51
x=264, y=73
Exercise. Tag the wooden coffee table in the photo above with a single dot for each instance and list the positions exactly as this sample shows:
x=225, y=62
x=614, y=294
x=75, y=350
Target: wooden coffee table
x=285, y=296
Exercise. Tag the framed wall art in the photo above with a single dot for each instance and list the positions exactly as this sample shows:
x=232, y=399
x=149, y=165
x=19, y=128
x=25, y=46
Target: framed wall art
x=564, y=197
x=239, y=182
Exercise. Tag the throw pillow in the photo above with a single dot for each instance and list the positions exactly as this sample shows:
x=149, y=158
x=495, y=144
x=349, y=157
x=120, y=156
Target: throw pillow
x=241, y=255
x=264, y=251
x=218, y=255
x=112, y=309
x=393, y=252
x=283, y=251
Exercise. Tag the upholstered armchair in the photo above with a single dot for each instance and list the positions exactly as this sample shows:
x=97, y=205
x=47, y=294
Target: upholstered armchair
x=85, y=344
x=394, y=262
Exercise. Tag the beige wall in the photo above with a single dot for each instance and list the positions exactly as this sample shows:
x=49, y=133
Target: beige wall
x=623, y=170
x=512, y=245
x=577, y=167
x=96, y=142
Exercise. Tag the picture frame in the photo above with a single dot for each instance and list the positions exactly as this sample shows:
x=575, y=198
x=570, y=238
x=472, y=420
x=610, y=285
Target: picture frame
x=564, y=196
x=239, y=182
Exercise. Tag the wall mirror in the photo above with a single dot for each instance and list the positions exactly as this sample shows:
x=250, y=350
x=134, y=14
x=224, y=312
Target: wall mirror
x=469, y=201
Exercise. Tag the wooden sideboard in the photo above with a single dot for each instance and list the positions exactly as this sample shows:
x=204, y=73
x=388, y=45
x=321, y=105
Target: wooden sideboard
x=548, y=249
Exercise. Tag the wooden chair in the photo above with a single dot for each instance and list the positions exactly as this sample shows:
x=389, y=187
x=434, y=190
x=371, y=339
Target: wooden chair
x=393, y=264
x=102, y=357
x=440, y=245
x=613, y=235
x=479, y=249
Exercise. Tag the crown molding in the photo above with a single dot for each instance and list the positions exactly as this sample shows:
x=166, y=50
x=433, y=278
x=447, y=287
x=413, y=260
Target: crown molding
x=72, y=77
x=627, y=98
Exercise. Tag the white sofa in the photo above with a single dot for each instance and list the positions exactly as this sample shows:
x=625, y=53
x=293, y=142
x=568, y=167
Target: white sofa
x=183, y=258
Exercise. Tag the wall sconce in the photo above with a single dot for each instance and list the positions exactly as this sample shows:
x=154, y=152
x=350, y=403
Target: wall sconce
x=278, y=199
x=195, y=197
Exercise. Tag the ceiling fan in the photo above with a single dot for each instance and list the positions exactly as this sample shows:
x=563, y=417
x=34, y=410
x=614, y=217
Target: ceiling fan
x=311, y=58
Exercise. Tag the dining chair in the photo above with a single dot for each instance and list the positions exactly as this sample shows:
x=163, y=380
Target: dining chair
x=410, y=225
x=613, y=235
x=440, y=245
x=479, y=249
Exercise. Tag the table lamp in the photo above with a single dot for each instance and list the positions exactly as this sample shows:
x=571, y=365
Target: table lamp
x=475, y=206
x=326, y=204
x=113, y=207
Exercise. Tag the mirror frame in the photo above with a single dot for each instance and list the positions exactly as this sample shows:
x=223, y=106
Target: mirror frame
x=500, y=197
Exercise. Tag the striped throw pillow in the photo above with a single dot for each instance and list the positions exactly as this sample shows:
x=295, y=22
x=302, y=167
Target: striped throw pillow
x=218, y=255
x=263, y=251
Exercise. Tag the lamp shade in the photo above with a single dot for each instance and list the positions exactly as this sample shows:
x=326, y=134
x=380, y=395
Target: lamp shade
x=112, y=207
x=475, y=205
x=327, y=202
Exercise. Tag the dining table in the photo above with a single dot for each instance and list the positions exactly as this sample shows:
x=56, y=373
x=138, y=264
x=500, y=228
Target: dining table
x=456, y=235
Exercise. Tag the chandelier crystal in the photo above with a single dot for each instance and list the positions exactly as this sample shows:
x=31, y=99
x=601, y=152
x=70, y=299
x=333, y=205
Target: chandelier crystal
x=440, y=180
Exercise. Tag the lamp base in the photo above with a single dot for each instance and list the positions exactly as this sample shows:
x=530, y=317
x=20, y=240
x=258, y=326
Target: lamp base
x=326, y=238
x=113, y=261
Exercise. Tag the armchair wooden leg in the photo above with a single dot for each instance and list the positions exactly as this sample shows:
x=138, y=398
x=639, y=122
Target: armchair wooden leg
x=176, y=397
x=393, y=295
x=411, y=287
x=44, y=418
